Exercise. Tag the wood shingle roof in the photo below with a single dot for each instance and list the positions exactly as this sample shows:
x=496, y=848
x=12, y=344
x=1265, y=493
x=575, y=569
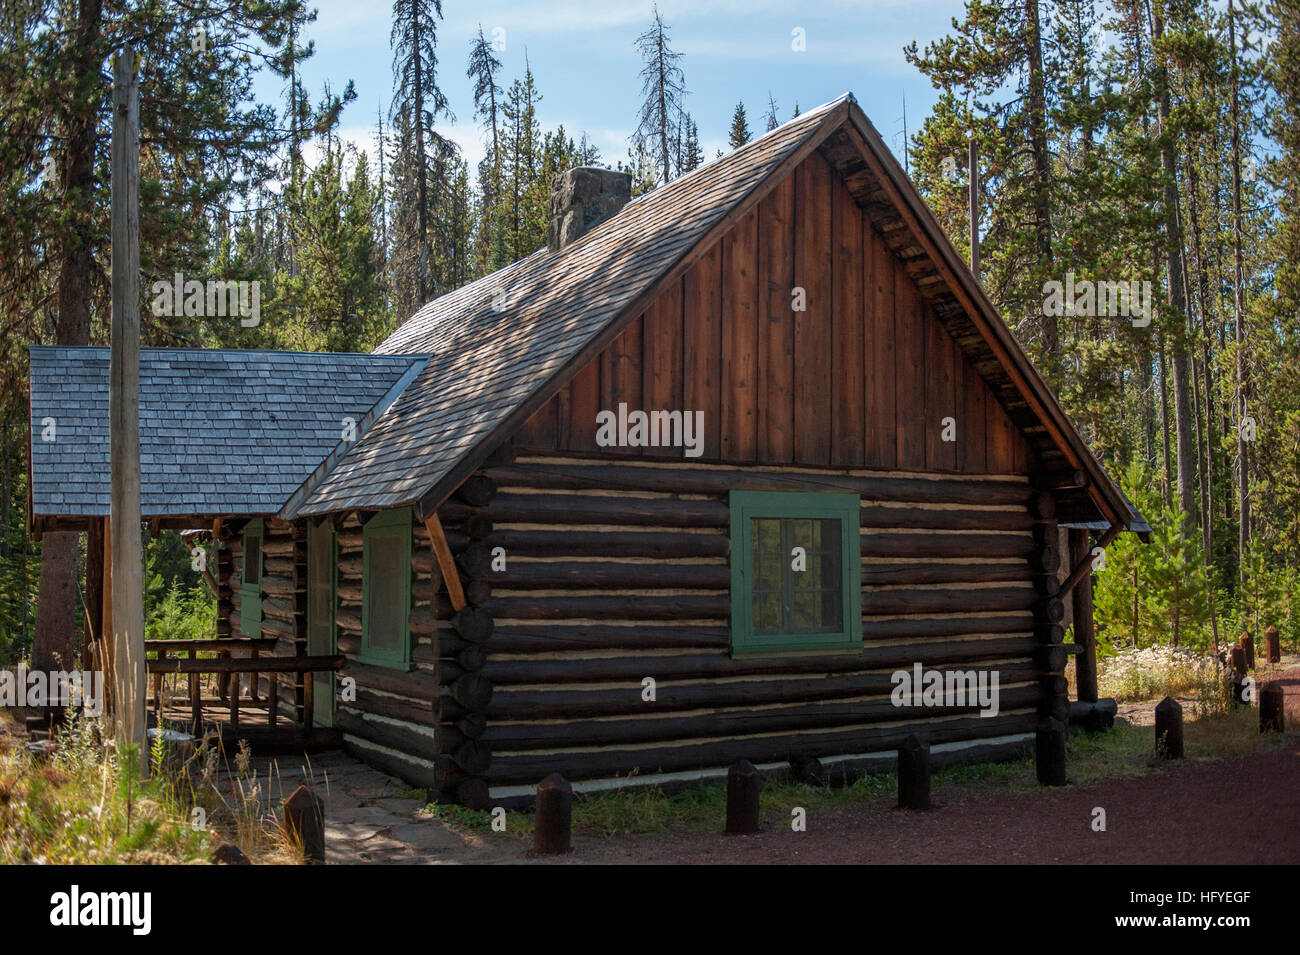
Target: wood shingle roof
x=493, y=364
x=222, y=431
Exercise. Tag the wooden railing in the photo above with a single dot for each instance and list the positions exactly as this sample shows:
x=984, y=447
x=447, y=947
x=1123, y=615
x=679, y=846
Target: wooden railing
x=174, y=657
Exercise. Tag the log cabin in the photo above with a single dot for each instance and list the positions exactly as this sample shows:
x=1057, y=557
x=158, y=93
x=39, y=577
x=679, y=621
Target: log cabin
x=691, y=484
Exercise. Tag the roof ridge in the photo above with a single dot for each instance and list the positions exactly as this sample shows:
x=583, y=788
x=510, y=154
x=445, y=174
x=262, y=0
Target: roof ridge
x=659, y=194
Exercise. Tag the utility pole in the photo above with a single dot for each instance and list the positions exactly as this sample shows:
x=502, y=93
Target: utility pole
x=124, y=415
x=972, y=159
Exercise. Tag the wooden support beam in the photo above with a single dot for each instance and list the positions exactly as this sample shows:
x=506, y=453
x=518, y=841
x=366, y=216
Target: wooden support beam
x=1085, y=661
x=1085, y=566
x=446, y=563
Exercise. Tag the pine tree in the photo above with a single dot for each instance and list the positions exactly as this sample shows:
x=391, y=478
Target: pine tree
x=419, y=101
x=739, y=127
x=206, y=145
x=769, y=120
x=692, y=154
x=483, y=69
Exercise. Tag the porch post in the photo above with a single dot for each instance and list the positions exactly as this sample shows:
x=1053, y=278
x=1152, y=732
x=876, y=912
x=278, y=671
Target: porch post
x=1085, y=636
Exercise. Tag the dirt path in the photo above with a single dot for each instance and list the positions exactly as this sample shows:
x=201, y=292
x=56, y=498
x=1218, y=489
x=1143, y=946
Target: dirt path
x=1244, y=810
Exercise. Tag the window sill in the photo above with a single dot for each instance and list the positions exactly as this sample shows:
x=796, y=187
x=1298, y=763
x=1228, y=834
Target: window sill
x=386, y=662
x=795, y=649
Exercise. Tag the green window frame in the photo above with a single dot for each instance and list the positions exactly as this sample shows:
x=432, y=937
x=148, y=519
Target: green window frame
x=386, y=598
x=774, y=607
x=250, y=591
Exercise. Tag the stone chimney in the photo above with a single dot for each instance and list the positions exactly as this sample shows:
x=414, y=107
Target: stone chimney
x=581, y=199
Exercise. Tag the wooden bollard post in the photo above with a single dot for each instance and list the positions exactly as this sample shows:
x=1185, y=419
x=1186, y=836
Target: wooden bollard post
x=743, y=784
x=553, y=825
x=1169, y=729
x=1273, y=645
x=1238, y=658
x=1049, y=752
x=1272, y=708
x=913, y=774
x=304, y=821
x=1248, y=648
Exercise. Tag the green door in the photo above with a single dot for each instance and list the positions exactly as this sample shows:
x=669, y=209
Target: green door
x=321, y=566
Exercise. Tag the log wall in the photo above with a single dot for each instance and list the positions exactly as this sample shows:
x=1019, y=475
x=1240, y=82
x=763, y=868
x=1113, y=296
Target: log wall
x=284, y=593
x=616, y=572
x=392, y=723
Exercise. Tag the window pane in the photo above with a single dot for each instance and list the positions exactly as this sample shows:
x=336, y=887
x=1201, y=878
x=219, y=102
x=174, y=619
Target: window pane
x=385, y=592
x=786, y=600
x=767, y=612
x=252, y=559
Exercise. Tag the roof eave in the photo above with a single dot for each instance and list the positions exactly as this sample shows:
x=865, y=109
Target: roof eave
x=995, y=331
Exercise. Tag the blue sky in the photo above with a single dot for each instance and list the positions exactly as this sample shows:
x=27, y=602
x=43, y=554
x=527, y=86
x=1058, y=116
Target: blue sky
x=584, y=59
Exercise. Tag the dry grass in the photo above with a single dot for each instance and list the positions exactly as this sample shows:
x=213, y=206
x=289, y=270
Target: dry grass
x=87, y=805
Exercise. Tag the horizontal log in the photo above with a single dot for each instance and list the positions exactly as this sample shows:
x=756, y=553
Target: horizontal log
x=475, y=559
x=969, y=517
x=711, y=665
x=618, y=607
x=913, y=628
x=279, y=586
x=472, y=725
x=1046, y=585
x=1050, y=657
x=279, y=608
x=1061, y=480
x=478, y=590
x=570, y=702
x=472, y=657
x=1050, y=610
x=932, y=572
x=411, y=739
x=581, y=509
x=690, y=480
x=277, y=547
x=744, y=721
x=676, y=512
x=476, y=490
x=412, y=684
x=247, y=665
x=938, y=544
x=473, y=524
x=590, y=576
x=429, y=774
x=545, y=639
x=350, y=644
x=423, y=712
x=278, y=567
x=472, y=691
x=607, y=544
x=421, y=622
x=1046, y=560
x=718, y=606
x=942, y=600
x=682, y=756
x=348, y=620
x=272, y=628
x=473, y=756
x=474, y=624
